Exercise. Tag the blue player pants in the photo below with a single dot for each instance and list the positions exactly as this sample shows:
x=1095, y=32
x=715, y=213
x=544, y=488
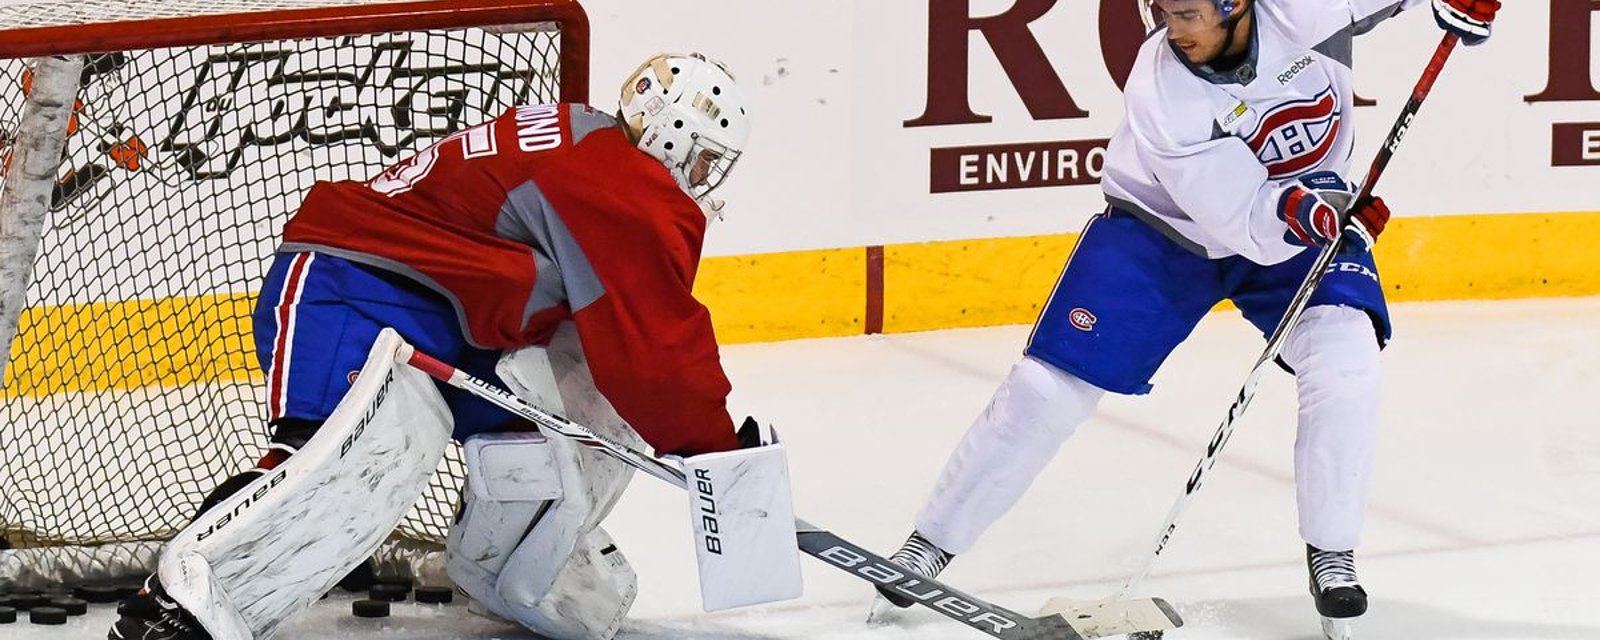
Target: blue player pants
x=1129, y=295
x=316, y=320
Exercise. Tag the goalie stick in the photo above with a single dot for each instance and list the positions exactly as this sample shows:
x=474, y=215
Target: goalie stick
x=977, y=614
x=1291, y=317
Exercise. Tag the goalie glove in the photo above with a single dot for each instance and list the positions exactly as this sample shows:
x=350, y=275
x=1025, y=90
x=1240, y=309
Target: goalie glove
x=1314, y=211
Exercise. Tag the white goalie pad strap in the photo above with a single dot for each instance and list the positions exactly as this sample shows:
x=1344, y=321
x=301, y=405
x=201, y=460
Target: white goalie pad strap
x=512, y=467
x=282, y=541
x=743, y=518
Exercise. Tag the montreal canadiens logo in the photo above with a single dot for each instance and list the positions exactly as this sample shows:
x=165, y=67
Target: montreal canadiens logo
x=1082, y=319
x=1296, y=136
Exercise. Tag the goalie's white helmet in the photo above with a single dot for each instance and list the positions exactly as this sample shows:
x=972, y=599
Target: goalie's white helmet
x=687, y=112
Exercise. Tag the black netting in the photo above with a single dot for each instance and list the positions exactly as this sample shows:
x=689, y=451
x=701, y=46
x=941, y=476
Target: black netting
x=51, y=13
x=133, y=386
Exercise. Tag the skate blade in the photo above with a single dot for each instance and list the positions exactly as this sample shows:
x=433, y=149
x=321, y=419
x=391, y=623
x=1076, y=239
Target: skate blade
x=881, y=611
x=1338, y=629
x=1103, y=618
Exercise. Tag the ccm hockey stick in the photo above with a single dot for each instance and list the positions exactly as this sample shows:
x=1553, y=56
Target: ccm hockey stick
x=820, y=543
x=1290, y=317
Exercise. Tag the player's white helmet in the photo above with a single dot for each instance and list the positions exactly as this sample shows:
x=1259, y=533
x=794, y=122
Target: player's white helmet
x=687, y=111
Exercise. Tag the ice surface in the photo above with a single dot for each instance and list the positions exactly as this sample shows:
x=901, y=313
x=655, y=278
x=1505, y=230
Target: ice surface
x=1485, y=521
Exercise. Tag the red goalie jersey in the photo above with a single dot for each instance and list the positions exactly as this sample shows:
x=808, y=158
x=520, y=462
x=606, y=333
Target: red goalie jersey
x=548, y=213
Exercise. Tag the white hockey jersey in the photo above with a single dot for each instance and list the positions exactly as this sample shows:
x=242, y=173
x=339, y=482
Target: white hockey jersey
x=1204, y=155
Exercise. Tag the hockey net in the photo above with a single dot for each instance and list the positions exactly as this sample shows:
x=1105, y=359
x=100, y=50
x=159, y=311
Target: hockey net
x=195, y=128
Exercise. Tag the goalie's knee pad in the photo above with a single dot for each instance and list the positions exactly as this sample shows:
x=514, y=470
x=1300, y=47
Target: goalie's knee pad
x=281, y=541
x=589, y=596
x=528, y=547
x=531, y=558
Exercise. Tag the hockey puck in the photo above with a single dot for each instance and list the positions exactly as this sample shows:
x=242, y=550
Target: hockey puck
x=8, y=615
x=98, y=594
x=370, y=609
x=359, y=578
x=26, y=601
x=435, y=595
x=73, y=606
x=47, y=615
x=388, y=592
x=403, y=581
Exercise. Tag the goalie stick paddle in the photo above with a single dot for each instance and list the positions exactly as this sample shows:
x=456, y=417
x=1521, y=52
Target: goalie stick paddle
x=1291, y=316
x=817, y=542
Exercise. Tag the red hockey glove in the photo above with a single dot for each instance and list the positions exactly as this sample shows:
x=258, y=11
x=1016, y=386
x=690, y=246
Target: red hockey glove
x=1470, y=19
x=1363, y=224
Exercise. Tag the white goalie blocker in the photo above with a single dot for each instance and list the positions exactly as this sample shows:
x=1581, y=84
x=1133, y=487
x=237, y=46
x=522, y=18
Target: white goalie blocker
x=280, y=543
x=742, y=513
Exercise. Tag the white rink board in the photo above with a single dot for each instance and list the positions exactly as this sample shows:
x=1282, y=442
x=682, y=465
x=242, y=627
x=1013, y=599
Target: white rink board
x=832, y=82
x=831, y=165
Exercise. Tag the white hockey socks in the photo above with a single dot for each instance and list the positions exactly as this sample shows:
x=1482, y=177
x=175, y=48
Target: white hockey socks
x=1334, y=354
x=271, y=549
x=1036, y=408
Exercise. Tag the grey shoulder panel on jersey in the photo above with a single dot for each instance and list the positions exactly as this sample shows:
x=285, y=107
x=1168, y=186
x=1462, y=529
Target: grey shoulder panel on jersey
x=586, y=120
x=565, y=273
x=1340, y=46
x=1368, y=23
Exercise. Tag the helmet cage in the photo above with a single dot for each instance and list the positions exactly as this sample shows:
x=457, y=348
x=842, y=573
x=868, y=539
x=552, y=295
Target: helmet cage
x=719, y=160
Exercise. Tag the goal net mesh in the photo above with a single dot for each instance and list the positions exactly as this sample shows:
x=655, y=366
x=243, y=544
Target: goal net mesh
x=134, y=385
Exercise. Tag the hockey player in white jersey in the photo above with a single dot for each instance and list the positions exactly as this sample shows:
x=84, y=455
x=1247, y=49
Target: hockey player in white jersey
x=1227, y=173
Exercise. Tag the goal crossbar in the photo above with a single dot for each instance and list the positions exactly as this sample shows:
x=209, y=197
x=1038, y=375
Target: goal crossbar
x=33, y=38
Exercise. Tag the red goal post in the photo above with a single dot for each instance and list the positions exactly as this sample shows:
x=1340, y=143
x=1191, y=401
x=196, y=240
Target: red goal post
x=151, y=152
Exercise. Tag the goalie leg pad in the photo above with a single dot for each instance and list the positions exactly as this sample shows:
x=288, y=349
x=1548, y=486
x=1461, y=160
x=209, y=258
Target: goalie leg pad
x=279, y=543
x=528, y=548
x=564, y=578
x=512, y=480
x=743, y=520
x=588, y=597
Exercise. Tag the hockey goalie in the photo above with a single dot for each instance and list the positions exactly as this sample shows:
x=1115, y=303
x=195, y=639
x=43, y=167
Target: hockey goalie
x=552, y=250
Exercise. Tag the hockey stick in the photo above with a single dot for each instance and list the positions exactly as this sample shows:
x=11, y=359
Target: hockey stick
x=1291, y=317
x=820, y=543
